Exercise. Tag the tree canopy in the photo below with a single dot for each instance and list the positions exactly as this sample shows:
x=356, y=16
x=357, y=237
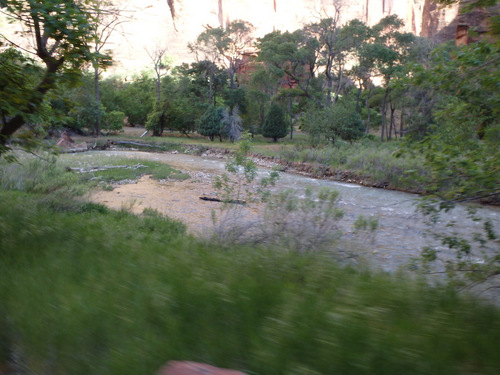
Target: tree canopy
x=61, y=32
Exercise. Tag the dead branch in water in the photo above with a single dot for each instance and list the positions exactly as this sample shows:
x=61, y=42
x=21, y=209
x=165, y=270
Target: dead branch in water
x=234, y=201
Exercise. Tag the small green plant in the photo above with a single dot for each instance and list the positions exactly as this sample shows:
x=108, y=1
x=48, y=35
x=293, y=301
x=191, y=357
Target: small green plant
x=108, y=187
x=363, y=223
x=366, y=227
x=470, y=260
x=239, y=185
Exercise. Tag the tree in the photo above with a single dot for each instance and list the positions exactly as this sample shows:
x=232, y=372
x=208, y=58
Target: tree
x=62, y=34
x=291, y=59
x=385, y=56
x=341, y=121
x=275, y=125
x=211, y=122
x=106, y=17
x=134, y=97
x=161, y=67
x=224, y=47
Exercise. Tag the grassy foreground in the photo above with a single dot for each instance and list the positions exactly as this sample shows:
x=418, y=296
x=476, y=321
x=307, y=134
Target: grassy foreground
x=86, y=290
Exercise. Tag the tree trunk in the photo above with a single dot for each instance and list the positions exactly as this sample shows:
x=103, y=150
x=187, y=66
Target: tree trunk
x=384, y=114
x=47, y=83
x=368, y=115
x=97, y=130
x=401, y=122
x=290, y=109
x=329, y=82
x=339, y=87
x=392, y=126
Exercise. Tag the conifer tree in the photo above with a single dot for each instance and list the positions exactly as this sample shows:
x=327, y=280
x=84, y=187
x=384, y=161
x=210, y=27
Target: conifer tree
x=275, y=125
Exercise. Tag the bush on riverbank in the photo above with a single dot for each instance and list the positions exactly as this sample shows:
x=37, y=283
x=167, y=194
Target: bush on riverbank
x=88, y=290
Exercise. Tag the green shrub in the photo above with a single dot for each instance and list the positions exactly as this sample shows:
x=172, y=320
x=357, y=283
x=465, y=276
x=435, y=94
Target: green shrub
x=113, y=121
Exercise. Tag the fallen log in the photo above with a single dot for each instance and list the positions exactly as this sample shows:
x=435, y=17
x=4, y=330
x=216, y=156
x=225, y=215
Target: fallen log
x=233, y=201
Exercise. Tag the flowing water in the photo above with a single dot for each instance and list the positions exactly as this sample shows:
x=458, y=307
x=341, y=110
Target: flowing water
x=401, y=232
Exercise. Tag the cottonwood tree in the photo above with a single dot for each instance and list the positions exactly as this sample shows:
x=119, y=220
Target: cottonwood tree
x=161, y=67
x=292, y=60
x=385, y=56
x=224, y=46
x=326, y=32
x=61, y=34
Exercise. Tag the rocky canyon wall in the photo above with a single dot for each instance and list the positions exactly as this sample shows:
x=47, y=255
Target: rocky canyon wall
x=174, y=23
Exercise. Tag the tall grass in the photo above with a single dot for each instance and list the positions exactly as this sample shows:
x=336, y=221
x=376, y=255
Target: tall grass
x=86, y=290
x=375, y=161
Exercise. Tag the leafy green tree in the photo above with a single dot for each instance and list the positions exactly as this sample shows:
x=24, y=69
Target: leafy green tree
x=113, y=121
x=341, y=121
x=460, y=146
x=206, y=80
x=106, y=17
x=224, y=46
x=275, y=125
x=335, y=49
x=133, y=97
x=62, y=34
x=291, y=59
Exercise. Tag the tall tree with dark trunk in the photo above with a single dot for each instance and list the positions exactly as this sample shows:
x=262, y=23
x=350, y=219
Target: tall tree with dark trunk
x=107, y=17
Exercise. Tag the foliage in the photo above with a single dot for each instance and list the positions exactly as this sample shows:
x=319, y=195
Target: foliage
x=210, y=124
x=156, y=120
x=460, y=151
x=224, y=46
x=290, y=59
x=373, y=161
x=62, y=32
x=275, y=125
x=113, y=121
x=461, y=147
x=302, y=221
x=133, y=97
x=340, y=121
x=244, y=172
x=85, y=117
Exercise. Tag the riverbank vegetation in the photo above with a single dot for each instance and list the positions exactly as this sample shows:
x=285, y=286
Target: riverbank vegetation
x=85, y=289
